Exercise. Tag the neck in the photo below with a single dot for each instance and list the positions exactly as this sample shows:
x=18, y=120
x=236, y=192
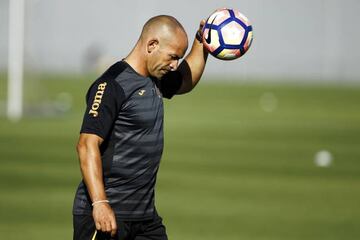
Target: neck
x=137, y=62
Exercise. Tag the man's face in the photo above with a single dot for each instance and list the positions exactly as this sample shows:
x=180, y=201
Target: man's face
x=166, y=55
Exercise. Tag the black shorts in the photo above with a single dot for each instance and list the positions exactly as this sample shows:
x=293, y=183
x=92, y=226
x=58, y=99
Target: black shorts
x=84, y=229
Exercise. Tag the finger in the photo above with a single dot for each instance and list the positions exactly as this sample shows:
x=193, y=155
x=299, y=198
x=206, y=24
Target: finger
x=113, y=227
x=98, y=225
x=107, y=226
x=103, y=226
x=202, y=23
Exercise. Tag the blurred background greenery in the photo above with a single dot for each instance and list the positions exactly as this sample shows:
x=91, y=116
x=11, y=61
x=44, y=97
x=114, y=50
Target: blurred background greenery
x=239, y=161
x=266, y=147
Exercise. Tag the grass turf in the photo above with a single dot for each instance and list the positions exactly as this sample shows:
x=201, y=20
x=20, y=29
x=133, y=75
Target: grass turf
x=232, y=168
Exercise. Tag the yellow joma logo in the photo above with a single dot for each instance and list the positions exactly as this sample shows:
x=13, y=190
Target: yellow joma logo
x=141, y=92
x=97, y=99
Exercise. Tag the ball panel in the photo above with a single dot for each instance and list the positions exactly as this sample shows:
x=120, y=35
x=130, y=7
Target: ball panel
x=242, y=17
x=215, y=41
x=229, y=54
x=233, y=33
x=248, y=41
x=218, y=17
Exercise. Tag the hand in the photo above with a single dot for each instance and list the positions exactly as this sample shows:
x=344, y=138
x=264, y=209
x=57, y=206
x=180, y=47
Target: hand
x=202, y=23
x=104, y=218
x=199, y=32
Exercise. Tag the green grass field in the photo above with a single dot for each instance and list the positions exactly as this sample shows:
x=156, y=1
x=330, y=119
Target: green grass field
x=230, y=170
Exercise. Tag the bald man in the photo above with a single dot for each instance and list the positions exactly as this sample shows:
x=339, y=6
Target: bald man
x=121, y=137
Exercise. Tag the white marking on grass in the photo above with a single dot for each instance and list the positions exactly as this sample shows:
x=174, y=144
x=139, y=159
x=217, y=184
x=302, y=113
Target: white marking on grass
x=323, y=158
x=63, y=101
x=268, y=102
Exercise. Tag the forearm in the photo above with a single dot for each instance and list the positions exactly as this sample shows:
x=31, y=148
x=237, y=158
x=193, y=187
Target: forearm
x=197, y=60
x=91, y=169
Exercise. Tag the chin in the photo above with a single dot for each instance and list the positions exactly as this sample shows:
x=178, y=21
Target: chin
x=160, y=75
x=157, y=76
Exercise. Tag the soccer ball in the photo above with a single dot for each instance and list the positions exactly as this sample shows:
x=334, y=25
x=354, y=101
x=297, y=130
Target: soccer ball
x=227, y=34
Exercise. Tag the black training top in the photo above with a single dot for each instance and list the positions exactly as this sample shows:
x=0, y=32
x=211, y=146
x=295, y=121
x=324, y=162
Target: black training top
x=126, y=110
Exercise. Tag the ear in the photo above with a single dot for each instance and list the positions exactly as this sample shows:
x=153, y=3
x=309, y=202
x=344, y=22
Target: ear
x=152, y=44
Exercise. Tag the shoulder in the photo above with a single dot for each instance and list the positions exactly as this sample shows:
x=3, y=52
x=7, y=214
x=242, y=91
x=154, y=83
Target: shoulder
x=130, y=81
x=108, y=79
x=114, y=71
x=106, y=85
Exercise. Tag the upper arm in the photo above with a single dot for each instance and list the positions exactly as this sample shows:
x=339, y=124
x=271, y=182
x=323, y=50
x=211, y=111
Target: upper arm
x=177, y=82
x=171, y=83
x=88, y=147
x=192, y=67
x=88, y=144
x=89, y=140
x=187, y=83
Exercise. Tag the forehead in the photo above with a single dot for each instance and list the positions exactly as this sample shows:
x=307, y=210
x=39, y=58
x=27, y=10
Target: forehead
x=176, y=44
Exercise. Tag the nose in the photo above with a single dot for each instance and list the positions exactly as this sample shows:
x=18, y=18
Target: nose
x=174, y=65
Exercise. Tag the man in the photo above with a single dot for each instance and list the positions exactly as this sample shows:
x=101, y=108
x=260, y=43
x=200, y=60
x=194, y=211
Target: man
x=121, y=139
